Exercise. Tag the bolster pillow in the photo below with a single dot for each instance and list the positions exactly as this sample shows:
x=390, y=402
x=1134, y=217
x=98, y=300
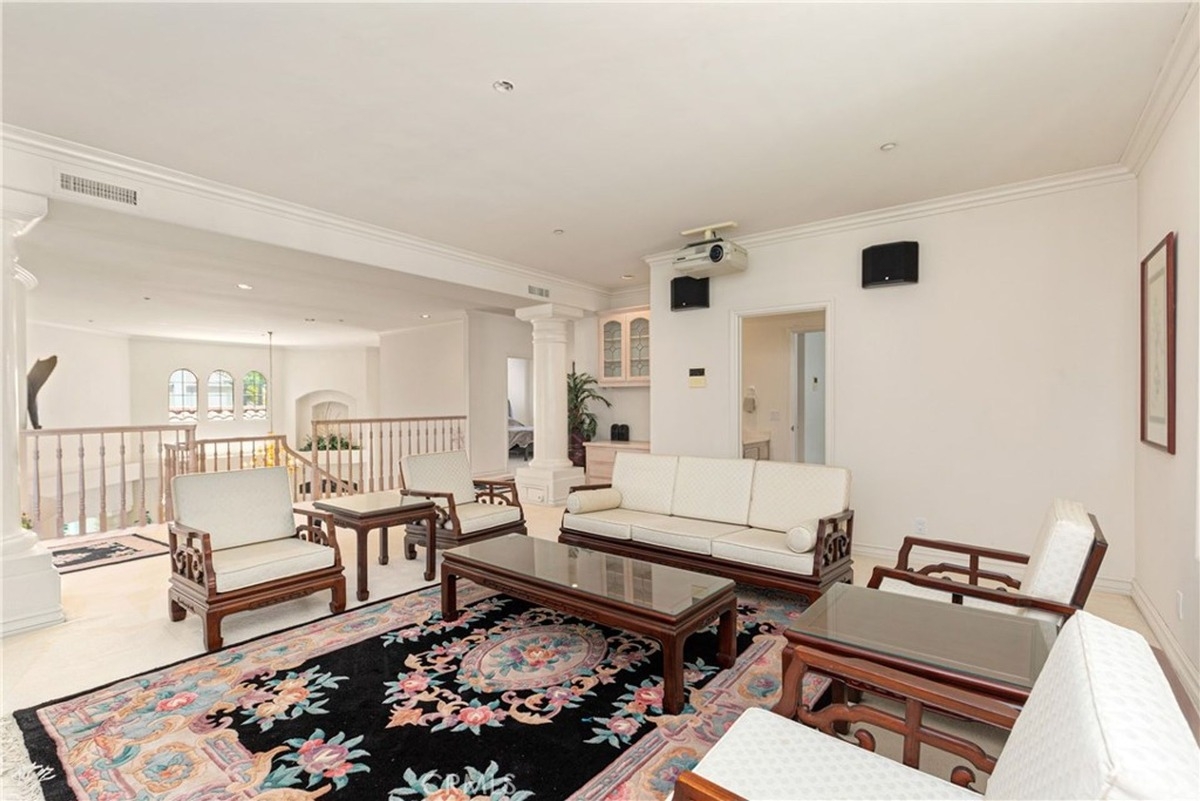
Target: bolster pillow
x=802, y=537
x=585, y=501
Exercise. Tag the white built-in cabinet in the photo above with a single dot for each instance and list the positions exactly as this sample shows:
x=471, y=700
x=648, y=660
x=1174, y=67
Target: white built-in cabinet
x=625, y=348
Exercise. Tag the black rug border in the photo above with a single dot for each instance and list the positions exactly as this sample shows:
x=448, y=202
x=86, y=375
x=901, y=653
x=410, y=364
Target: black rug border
x=86, y=566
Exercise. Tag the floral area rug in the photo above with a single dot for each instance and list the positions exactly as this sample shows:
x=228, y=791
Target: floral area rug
x=389, y=701
x=81, y=554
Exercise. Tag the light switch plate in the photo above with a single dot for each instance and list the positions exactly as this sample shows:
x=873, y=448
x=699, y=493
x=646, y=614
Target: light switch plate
x=697, y=382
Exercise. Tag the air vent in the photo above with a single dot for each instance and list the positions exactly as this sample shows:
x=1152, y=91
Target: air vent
x=86, y=186
x=540, y=291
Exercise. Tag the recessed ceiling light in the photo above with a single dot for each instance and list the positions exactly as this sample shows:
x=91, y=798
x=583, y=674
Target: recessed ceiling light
x=310, y=319
x=424, y=316
x=503, y=87
x=886, y=146
x=244, y=286
x=627, y=277
x=559, y=232
x=146, y=297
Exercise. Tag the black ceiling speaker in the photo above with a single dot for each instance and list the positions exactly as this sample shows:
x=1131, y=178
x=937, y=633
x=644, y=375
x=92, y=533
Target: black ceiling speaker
x=893, y=263
x=689, y=293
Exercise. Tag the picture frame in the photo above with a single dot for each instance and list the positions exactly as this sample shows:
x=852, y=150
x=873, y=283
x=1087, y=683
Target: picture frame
x=1158, y=346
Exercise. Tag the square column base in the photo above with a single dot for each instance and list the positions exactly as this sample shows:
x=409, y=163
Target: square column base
x=32, y=591
x=547, y=485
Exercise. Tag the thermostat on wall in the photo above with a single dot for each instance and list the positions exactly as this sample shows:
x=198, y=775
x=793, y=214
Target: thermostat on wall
x=696, y=379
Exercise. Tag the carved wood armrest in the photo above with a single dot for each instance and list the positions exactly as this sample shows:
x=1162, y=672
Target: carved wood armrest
x=320, y=529
x=951, y=587
x=834, y=536
x=974, y=553
x=447, y=512
x=694, y=787
x=493, y=490
x=191, y=555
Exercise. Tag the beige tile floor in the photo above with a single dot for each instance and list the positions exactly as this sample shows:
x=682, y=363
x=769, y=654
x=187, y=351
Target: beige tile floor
x=117, y=619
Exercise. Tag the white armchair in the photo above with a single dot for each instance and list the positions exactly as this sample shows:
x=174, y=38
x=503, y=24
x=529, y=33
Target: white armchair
x=1061, y=569
x=235, y=546
x=1101, y=722
x=468, y=509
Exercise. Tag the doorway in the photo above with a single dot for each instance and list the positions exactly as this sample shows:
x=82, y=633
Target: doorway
x=520, y=412
x=784, y=385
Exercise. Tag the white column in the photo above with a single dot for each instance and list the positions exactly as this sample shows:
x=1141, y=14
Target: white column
x=550, y=473
x=32, y=590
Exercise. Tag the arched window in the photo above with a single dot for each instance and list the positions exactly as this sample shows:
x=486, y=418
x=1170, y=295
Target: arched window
x=220, y=395
x=181, y=397
x=254, y=396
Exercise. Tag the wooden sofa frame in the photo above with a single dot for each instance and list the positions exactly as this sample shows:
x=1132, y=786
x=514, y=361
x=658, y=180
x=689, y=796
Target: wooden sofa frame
x=972, y=572
x=193, y=585
x=831, y=556
x=487, y=490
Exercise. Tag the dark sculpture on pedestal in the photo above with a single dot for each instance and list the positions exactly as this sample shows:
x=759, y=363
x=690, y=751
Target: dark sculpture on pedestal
x=38, y=374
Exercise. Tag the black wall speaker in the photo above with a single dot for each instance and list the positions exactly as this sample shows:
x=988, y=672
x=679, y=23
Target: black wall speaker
x=689, y=293
x=893, y=263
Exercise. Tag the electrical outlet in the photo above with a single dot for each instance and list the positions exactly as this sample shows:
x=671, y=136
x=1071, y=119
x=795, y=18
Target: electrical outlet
x=1179, y=603
x=919, y=526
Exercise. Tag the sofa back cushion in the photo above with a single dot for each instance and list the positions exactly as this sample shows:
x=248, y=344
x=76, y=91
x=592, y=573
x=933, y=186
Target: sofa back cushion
x=1061, y=550
x=1101, y=722
x=449, y=471
x=713, y=489
x=237, y=507
x=646, y=482
x=784, y=494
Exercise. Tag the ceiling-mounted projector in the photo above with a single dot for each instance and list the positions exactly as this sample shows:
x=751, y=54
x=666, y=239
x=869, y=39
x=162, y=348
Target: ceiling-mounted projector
x=713, y=257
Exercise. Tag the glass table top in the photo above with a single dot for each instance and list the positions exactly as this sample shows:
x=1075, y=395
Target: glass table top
x=369, y=504
x=660, y=588
x=1010, y=649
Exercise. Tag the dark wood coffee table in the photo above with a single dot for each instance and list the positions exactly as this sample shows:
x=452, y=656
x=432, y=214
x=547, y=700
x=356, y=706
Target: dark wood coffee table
x=658, y=601
x=970, y=662
x=382, y=510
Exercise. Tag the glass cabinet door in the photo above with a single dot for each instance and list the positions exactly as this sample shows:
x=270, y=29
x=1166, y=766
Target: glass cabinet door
x=639, y=346
x=611, y=350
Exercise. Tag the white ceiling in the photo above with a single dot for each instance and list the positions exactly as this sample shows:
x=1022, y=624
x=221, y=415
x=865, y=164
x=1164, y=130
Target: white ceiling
x=629, y=122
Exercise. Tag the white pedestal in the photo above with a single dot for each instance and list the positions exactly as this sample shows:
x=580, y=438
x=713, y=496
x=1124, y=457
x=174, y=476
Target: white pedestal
x=32, y=588
x=547, y=485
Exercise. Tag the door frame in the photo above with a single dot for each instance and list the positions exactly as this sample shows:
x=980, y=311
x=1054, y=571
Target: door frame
x=735, y=371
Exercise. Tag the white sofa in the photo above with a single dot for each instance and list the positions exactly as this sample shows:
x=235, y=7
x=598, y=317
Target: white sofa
x=775, y=524
x=1101, y=722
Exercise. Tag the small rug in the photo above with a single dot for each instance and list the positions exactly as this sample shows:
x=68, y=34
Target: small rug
x=389, y=701
x=84, y=554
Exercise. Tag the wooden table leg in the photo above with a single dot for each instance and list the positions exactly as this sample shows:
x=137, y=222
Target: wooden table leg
x=449, y=595
x=792, y=679
x=362, y=564
x=431, y=546
x=727, y=636
x=383, y=545
x=672, y=649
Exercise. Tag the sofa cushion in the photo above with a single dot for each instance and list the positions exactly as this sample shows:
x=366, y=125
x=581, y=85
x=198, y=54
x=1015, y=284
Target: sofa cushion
x=803, y=537
x=478, y=516
x=767, y=756
x=584, y=501
x=237, y=507
x=646, y=482
x=614, y=523
x=763, y=547
x=1061, y=550
x=682, y=533
x=713, y=489
x=786, y=493
x=248, y=565
x=448, y=471
x=1101, y=722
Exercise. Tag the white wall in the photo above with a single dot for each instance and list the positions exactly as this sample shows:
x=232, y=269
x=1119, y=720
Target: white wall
x=422, y=371
x=153, y=360
x=492, y=339
x=973, y=398
x=349, y=371
x=630, y=405
x=90, y=385
x=1166, y=485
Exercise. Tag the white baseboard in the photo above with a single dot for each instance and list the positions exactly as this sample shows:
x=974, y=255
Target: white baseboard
x=1188, y=675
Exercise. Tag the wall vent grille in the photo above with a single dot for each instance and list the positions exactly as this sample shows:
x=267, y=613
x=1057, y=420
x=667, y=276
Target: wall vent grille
x=540, y=291
x=86, y=186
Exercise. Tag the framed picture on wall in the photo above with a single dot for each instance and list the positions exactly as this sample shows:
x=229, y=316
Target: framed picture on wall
x=1158, y=346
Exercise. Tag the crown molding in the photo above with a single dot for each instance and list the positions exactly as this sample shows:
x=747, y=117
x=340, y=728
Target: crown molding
x=1174, y=78
x=1006, y=193
x=62, y=151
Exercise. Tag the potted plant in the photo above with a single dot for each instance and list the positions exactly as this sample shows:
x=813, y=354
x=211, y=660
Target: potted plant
x=581, y=423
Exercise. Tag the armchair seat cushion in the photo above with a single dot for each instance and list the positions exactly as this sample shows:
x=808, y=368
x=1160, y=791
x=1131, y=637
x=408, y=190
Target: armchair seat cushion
x=248, y=565
x=612, y=523
x=763, y=547
x=476, y=516
x=682, y=533
x=765, y=756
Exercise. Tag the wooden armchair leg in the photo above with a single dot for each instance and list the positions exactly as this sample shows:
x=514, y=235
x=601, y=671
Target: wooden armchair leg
x=175, y=611
x=338, y=602
x=212, y=631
